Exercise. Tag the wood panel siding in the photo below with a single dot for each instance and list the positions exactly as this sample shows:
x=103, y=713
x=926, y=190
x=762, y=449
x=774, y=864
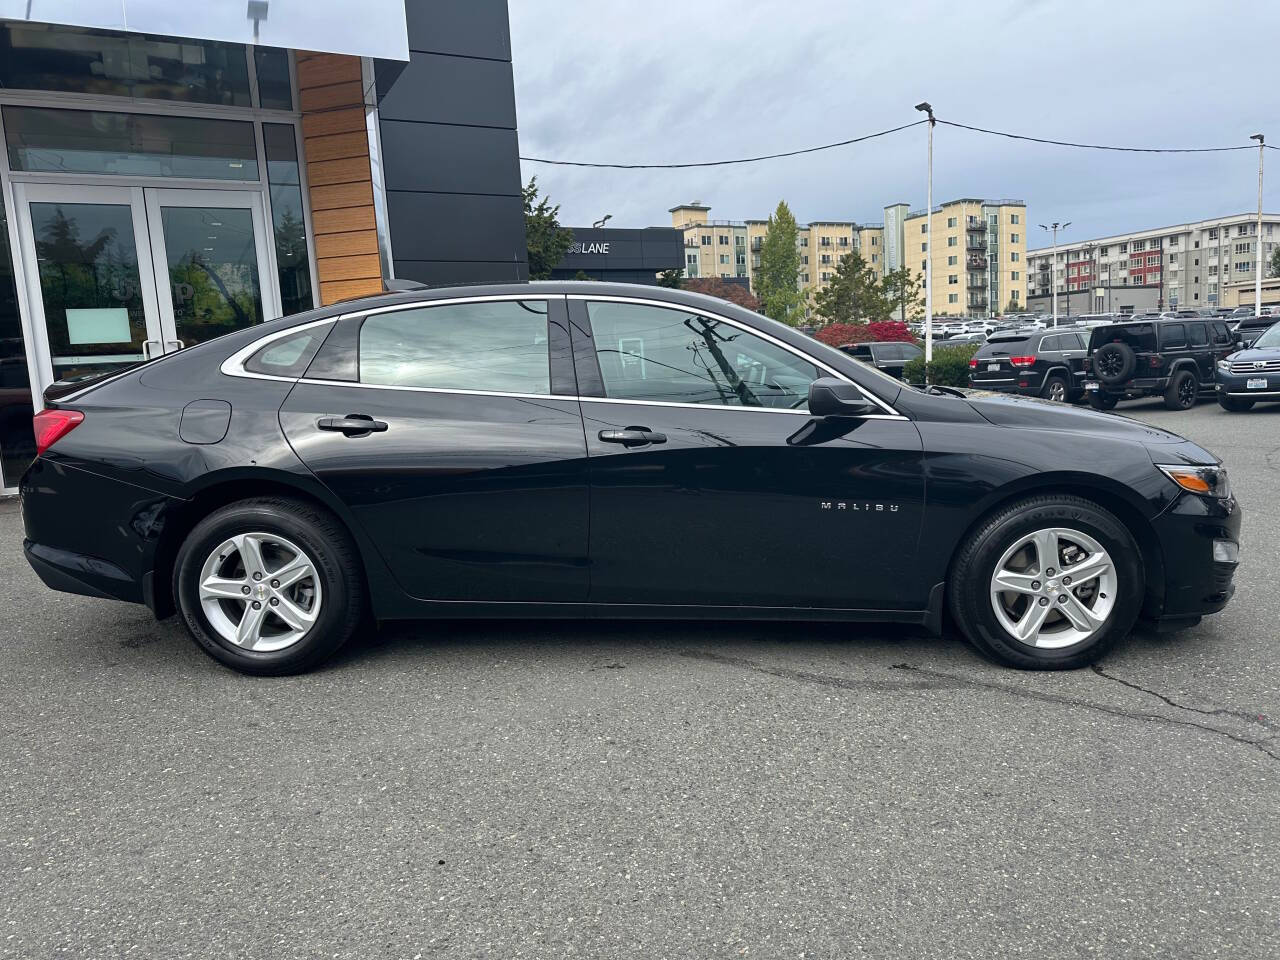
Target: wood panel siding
x=339, y=182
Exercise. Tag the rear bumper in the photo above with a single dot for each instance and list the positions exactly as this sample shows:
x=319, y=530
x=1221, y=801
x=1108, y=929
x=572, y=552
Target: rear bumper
x=79, y=573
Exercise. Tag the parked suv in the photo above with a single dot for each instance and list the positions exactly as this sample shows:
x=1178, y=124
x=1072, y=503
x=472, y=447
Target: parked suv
x=890, y=356
x=1037, y=363
x=1250, y=328
x=1148, y=358
x=1252, y=374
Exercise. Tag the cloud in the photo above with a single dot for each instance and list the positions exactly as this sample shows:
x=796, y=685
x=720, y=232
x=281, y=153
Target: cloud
x=672, y=82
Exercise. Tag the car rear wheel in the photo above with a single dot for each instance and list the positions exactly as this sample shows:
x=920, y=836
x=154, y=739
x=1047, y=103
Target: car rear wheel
x=269, y=585
x=1102, y=401
x=1047, y=583
x=1234, y=404
x=1055, y=388
x=1182, y=391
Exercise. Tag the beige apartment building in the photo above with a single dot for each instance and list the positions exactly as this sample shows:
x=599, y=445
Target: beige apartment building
x=731, y=249
x=979, y=255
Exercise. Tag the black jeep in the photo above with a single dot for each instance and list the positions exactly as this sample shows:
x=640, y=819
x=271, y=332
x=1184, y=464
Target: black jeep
x=1173, y=358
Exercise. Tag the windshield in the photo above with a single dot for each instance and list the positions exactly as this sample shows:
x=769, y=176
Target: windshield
x=1270, y=339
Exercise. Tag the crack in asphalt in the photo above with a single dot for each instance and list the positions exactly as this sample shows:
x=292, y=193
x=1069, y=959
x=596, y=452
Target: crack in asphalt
x=937, y=680
x=1257, y=718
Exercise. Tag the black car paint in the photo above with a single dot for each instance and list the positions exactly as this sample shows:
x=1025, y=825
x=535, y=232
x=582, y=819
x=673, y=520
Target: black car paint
x=498, y=506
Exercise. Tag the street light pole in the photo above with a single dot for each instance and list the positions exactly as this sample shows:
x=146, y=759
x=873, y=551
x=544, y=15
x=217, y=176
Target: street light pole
x=928, y=234
x=1257, y=279
x=1053, y=264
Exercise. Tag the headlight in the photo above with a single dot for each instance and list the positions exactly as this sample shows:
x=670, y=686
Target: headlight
x=1224, y=366
x=1207, y=481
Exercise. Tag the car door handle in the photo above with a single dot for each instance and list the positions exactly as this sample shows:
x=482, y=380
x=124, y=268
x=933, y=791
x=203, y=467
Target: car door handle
x=633, y=436
x=352, y=425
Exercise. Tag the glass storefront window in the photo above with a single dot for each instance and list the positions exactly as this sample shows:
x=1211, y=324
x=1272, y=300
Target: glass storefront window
x=133, y=144
x=290, y=226
x=17, y=441
x=74, y=60
x=275, y=85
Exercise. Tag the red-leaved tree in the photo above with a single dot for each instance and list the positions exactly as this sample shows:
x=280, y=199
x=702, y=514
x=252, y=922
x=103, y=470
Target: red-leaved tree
x=837, y=334
x=716, y=287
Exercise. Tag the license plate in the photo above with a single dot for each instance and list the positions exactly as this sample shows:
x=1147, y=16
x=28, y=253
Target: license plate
x=1090, y=385
x=993, y=368
x=1256, y=383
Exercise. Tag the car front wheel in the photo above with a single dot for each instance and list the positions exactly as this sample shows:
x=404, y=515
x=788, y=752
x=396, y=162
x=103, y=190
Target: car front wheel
x=1047, y=583
x=269, y=586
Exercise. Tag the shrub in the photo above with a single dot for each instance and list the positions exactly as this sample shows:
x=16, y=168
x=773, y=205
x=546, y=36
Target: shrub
x=950, y=366
x=837, y=334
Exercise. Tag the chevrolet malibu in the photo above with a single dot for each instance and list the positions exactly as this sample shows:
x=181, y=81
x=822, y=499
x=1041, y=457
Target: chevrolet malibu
x=605, y=451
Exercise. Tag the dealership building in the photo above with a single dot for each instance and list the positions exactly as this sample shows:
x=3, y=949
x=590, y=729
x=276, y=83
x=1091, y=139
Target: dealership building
x=621, y=256
x=173, y=172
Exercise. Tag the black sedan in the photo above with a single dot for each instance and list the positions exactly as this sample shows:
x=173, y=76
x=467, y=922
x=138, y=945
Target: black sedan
x=1251, y=375
x=596, y=450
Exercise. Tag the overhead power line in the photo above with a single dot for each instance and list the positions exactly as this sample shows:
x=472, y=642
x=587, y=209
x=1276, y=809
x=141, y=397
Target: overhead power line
x=1095, y=146
x=885, y=133
x=722, y=163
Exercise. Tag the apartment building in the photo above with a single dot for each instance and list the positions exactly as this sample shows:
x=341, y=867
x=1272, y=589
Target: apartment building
x=979, y=255
x=727, y=249
x=1196, y=264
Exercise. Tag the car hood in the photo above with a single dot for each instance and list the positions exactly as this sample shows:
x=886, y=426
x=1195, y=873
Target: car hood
x=1032, y=413
x=1265, y=353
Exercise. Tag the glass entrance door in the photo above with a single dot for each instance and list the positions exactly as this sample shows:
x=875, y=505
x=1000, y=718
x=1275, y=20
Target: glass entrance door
x=122, y=274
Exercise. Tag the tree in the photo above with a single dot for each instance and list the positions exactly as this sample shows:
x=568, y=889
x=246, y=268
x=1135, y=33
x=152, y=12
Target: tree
x=905, y=293
x=776, y=278
x=546, y=241
x=855, y=294
x=715, y=287
x=1275, y=263
x=1012, y=306
x=673, y=278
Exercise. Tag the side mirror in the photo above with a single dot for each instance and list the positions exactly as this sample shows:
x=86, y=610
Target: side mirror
x=830, y=397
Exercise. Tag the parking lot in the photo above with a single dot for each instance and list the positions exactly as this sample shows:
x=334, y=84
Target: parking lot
x=647, y=790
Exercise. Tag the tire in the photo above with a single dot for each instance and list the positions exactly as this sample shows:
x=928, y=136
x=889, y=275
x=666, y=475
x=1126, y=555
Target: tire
x=1114, y=598
x=1182, y=392
x=1114, y=362
x=1234, y=404
x=303, y=622
x=1102, y=401
x=1055, y=388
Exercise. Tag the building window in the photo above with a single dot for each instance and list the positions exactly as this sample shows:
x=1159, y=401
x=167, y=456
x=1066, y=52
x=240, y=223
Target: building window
x=924, y=247
x=874, y=240
x=951, y=221
x=951, y=261
x=691, y=259
x=724, y=258
x=289, y=224
x=953, y=279
x=844, y=241
x=1014, y=238
x=875, y=258
x=1015, y=275
x=804, y=277
x=1213, y=234
x=1013, y=256
x=952, y=241
x=724, y=239
x=924, y=228
x=1014, y=218
x=739, y=240
x=953, y=298
x=706, y=239
x=804, y=241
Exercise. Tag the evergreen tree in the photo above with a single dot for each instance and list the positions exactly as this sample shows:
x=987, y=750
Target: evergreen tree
x=777, y=284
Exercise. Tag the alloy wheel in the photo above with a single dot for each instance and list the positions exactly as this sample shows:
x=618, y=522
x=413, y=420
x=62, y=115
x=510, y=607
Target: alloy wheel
x=260, y=592
x=1187, y=391
x=1058, y=391
x=1053, y=588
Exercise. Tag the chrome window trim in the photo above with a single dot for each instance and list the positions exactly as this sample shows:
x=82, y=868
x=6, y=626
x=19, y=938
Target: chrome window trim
x=233, y=366
x=669, y=305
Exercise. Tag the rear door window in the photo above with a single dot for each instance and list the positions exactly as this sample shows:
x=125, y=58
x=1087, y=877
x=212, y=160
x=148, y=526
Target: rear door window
x=1173, y=335
x=1198, y=335
x=1221, y=335
x=494, y=346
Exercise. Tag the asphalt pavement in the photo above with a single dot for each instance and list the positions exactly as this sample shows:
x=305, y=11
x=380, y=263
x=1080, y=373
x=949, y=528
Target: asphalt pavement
x=647, y=790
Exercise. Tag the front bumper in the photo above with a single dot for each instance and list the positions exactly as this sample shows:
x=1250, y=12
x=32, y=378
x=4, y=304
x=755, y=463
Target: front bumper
x=1195, y=583
x=1237, y=385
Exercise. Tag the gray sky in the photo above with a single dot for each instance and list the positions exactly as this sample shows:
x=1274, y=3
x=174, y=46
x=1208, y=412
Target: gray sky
x=662, y=82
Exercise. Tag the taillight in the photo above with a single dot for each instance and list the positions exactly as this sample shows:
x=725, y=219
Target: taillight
x=1154, y=360
x=1022, y=361
x=973, y=362
x=52, y=425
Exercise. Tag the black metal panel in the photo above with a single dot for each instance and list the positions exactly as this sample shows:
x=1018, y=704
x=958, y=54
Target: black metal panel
x=604, y=252
x=447, y=124
x=453, y=227
x=436, y=88
x=446, y=158
x=463, y=28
